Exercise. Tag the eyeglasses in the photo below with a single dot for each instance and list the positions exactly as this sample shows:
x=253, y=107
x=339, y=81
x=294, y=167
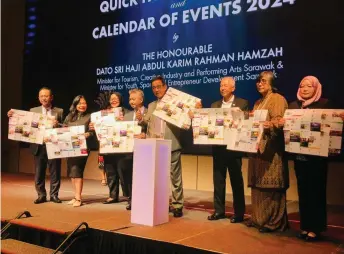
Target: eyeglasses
x=157, y=87
x=263, y=81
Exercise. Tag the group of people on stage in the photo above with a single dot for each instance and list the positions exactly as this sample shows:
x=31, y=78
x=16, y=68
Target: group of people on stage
x=268, y=174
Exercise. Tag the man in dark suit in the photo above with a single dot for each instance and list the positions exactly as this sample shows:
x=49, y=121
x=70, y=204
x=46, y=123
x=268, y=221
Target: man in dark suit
x=224, y=159
x=125, y=165
x=45, y=97
x=159, y=88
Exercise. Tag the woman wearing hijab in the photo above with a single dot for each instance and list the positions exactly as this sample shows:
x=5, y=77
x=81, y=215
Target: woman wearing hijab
x=311, y=171
x=267, y=171
x=78, y=115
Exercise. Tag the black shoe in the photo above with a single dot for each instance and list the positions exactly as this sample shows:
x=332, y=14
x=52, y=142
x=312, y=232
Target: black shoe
x=249, y=224
x=55, y=199
x=178, y=212
x=110, y=201
x=40, y=200
x=302, y=235
x=310, y=238
x=216, y=216
x=128, y=207
x=265, y=230
x=236, y=219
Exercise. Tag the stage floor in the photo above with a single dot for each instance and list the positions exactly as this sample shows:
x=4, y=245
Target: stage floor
x=192, y=230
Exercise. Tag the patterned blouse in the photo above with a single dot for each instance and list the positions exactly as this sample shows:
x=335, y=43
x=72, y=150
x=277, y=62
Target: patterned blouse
x=268, y=169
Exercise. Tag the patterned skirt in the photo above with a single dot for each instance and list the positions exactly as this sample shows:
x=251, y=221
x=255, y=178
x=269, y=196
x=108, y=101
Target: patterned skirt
x=269, y=209
x=268, y=179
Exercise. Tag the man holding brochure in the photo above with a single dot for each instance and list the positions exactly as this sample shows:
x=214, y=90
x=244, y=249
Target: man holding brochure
x=224, y=160
x=125, y=165
x=39, y=152
x=171, y=132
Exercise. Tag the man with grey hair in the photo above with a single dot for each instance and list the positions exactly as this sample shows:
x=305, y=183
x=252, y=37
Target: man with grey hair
x=125, y=165
x=136, y=98
x=224, y=160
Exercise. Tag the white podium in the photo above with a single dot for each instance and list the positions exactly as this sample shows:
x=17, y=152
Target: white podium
x=151, y=181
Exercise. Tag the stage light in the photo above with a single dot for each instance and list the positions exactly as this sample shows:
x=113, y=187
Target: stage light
x=32, y=17
x=31, y=26
x=31, y=34
x=32, y=9
x=29, y=42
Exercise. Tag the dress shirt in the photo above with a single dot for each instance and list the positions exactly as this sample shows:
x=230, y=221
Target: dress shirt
x=229, y=103
x=46, y=111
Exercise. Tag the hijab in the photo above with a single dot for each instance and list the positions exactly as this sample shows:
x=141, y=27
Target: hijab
x=317, y=91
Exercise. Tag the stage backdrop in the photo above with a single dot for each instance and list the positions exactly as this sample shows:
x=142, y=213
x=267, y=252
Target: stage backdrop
x=85, y=47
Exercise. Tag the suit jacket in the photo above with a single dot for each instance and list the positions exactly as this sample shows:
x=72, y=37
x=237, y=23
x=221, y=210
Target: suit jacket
x=129, y=116
x=57, y=112
x=171, y=132
x=237, y=102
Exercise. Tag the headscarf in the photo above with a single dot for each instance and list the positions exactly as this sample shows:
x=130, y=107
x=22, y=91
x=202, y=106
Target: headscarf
x=317, y=93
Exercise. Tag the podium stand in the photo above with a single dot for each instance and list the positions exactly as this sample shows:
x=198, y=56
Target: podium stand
x=151, y=181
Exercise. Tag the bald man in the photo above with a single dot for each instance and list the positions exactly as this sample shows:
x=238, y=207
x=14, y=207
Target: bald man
x=224, y=160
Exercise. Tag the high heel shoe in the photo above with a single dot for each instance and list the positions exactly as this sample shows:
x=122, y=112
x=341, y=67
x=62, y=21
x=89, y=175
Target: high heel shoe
x=77, y=203
x=71, y=202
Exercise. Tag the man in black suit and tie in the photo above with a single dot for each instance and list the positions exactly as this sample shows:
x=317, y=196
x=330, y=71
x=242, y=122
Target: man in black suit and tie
x=39, y=152
x=125, y=165
x=224, y=159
